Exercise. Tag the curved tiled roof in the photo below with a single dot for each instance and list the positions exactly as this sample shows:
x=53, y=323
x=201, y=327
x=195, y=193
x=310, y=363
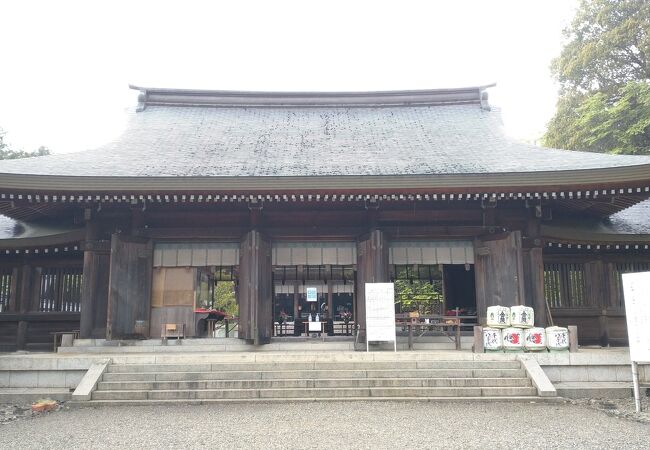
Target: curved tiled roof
x=212, y=134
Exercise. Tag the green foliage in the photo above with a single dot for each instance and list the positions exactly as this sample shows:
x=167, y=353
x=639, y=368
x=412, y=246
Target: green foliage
x=604, y=73
x=7, y=153
x=225, y=299
x=599, y=123
x=419, y=295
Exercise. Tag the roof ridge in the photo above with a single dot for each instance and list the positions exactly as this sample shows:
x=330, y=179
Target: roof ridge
x=223, y=98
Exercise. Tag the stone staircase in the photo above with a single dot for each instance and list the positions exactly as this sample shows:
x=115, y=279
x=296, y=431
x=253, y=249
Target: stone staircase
x=315, y=378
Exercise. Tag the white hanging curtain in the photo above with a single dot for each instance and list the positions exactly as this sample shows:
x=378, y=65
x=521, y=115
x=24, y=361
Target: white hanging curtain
x=431, y=252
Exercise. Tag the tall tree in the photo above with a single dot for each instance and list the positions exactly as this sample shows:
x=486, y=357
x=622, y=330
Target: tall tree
x=8, y=153
x=604, y=75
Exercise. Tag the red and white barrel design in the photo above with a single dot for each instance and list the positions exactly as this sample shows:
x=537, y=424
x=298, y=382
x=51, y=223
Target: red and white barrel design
x=513, y=339
x=492, y=341
x=522, y=316
x=498, y=316
x=557, y=338
x=535, y=339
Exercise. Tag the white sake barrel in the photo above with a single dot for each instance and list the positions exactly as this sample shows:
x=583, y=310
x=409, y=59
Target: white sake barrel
x=498, y=316
x=513, y=339
x=522, y=316
x=535, y=339
x=557, y=338
x=492, y=341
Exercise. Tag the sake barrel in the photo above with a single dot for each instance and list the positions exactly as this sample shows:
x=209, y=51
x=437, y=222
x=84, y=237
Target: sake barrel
x=557, y=338
x=513, y=339
x=522, y=316
x=492, y=341
x=498, y=317
x=535, y=339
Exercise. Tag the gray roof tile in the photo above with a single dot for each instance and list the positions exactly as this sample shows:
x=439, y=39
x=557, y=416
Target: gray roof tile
x=295, y=141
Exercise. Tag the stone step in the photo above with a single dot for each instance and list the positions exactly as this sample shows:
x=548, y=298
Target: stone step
x=314, y=374
x=316, y=365
x=212, y=401
x=313, y=383
x=598, y=389
x=314, y=393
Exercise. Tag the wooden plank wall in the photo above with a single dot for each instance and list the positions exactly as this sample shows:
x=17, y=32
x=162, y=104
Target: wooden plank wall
x=499, y=272
x=31, y=331
x=129, y=295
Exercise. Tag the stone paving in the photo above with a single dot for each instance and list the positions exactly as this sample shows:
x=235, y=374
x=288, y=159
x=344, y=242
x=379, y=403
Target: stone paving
x=375, y=425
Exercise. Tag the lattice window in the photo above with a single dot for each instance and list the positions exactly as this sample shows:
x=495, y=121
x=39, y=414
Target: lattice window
x=564, y=285
x=60, y=289
x=619, y=269
x=5, y=288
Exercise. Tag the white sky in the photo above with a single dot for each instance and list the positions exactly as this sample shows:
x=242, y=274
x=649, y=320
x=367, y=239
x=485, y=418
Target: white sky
x=65, y=65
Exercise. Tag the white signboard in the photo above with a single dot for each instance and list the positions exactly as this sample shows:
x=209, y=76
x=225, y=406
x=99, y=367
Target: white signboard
x=636, y=287
x=312, y=294
x=380, y=313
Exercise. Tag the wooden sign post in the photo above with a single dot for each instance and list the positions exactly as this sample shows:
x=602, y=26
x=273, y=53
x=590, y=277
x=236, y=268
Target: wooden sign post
x=636, y=287
x=380, y=313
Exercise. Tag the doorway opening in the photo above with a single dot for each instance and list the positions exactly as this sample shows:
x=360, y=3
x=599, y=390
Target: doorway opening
x=313, y=293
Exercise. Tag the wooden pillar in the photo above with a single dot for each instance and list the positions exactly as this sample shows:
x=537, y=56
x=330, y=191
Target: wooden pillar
x=24, y=300
x=372, y=267
x=255, y=290
x=129, y=293
x=596, y=293
x=533, y=265
x=498, y=271
x=94, y=293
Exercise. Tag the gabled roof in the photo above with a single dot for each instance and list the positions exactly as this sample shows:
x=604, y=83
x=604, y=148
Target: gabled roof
x=630, y=225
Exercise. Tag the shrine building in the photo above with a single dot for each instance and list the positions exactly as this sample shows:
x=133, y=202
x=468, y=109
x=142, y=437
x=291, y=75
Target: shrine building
x=275, y=192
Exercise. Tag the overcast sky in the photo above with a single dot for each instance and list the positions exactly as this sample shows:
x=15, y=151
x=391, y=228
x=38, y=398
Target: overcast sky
x=65, y=65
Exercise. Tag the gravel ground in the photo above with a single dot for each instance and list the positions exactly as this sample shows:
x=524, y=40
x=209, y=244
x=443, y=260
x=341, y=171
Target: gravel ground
x=372, y=425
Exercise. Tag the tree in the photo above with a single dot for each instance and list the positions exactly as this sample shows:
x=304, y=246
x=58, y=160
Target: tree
x=7, y=153
x=604, y=76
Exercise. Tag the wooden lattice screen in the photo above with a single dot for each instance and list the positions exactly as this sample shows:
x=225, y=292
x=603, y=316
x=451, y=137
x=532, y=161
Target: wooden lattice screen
x=564, y=285
x=60, y=289
x=5, y=288
x=619, y=269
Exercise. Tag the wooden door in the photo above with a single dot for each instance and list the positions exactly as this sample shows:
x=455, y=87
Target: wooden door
x=129, y=294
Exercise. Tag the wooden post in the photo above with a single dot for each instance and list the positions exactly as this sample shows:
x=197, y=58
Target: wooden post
x=372, y=267
x=533, y=265
x=596, y=292
x=26, y=283
x=573, y=338
x=21, y=335
x=478, y=346
x=94, y=289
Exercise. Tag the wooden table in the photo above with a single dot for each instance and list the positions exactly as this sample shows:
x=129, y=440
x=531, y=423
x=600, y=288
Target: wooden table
x=305, y=324
x=434, y=321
